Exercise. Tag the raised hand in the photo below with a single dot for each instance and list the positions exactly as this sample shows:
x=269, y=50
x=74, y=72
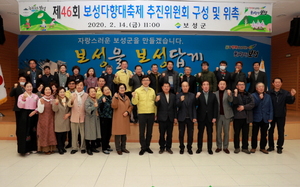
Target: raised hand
x=229, y=92
x=293, y=92
x=261, y=96
x=103, y=99
x=157, y=98
x=15, y=85
x=182, y=98
x=198, y=94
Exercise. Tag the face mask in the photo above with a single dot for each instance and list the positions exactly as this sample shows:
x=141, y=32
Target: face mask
x=22, y=83
x=222, y=67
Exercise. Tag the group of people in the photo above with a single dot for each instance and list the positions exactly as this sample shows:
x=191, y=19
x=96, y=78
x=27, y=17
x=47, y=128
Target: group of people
x=61, y=108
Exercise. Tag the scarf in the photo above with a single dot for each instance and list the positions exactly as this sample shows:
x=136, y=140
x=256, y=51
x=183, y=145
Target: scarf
x=79, y=94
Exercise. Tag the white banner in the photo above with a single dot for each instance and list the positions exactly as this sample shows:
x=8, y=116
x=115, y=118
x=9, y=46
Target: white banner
x=145, y=15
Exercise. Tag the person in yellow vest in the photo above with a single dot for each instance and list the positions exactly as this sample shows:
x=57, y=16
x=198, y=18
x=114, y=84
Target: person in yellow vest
x=123, y=76
x=144, y=98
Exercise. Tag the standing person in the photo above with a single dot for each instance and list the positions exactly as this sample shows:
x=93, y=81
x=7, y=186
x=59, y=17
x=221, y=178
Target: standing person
x=91, y=122
x=262, y=116
x=221, y=73
x=238, y=75
x=186, y=115
x=280, y=98
x=154, y=78
x=54, y=88
x=123, y=76
x=47, y=78
x=45, y=127
x=243, y=104
x=76, y=74
x=136, y=81
x=32, y=74
x=225, y=113
x=109, y=77
x=191, y=79
x=101, y=82
x=105, y=111
x=207, y=112
x=171, y=76
x=207, y=75
x=61, y=77
x=255, y=77
x=16, y=91
x=90, y=78
x=166, y=116
x=144, y=98
x=76, y=102
x=121, y=114
x=62, y=119
x=71, y=89
x=26, y=131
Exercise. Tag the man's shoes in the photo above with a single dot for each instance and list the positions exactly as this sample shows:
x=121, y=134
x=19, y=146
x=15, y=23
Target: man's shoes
x=83, y=151
x=181, y=151
x=119, y=152
x=161, y=151
x=226, y=151
x=141, y=152
x=73, y=152
x=190, y=151
x=149, y=150
x=95, y=150
x=170, y=151
x=109, y=149
x=279, y=151
x=64, y=150
x=60, y=151
x=198, y=151
x=106, y=152
x=68, y=146
x=264, y=151
x=246, y=151
x=252, y=150
x=270, y=149
x=218, y=150
x=89, y=152
x=236, y=151
x=210, y=152
x=125, y=151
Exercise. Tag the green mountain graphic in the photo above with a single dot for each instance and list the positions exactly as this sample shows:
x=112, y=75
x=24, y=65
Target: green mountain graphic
x=36, y=20
x=245, y=24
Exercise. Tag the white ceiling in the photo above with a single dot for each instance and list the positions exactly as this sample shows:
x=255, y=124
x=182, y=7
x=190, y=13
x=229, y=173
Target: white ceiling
x=283, y=12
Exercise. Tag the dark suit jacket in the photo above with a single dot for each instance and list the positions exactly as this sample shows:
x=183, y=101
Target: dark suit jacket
x=166, y=110
x=261, y=77
x=135, y=82
x=210, y=109
x=176, y=80
x=227, y=78
x=109, y=82
x=186, y=107
x=236, y=77
x=15, y=92
x=155, y=82
x=192, y=83
x=28, y=77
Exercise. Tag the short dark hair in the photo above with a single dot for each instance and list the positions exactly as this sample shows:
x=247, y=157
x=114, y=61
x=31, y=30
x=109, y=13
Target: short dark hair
x=204, y=82
x=104, y=87
x=27, y=83
x=138, y=66
x=170, y=62
x=21, y=76
x=77, y=82
x=277, y=78
x=88, y=90
x=87, y=72
x=32, y=60
x=240, y=81
x=256, y=63
x=166, y=83
x=145, y=77
x=101, y=78
x=53, y=84
x=154, y=65
x=46, y=67
x=75, y=67
x=124, y=61
x=222, y=80
x=43, y=90
x=239, y=62
x=223, y=62
x=204, y=63
x=63, y=65
x=121, y=84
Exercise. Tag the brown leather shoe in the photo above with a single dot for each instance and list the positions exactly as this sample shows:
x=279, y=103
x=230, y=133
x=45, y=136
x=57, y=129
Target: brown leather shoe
x=264, y=151
x=218, y=150
x=226, y=151
x=119, y=152
x=252, y=150
x=125, y=151
x=170, y=151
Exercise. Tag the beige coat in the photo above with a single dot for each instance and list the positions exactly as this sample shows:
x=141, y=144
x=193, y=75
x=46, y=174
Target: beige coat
x=121, y=124
x=61, y=124
x=77, y=112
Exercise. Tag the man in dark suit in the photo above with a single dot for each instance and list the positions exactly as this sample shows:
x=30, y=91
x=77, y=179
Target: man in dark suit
x=221, y=73
x=32, y=74
x=109, y=77
x=154, y=78
x=238, y=75
x=190, y=79
x=255, y=77
x=186, y=115
x=166, y=116
x=171, y=76
x=207, y=113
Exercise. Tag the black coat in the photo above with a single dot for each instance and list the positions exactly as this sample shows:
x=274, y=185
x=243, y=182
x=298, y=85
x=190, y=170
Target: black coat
x=261, y=77
x=209, y=109
x=279, y=102
x=192, y=83
x=227, y=78
x=166, y=110
x=187, y=107
x=15, y=92
x=236, y=77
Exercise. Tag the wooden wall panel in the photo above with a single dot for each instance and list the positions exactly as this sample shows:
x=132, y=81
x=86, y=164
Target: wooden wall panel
x=9, y=65
x=286, y=67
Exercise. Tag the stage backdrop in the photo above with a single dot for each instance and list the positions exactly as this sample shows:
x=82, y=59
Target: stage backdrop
x=99, y=51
